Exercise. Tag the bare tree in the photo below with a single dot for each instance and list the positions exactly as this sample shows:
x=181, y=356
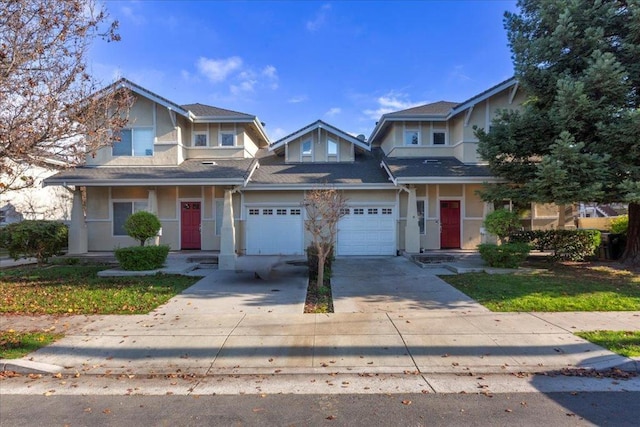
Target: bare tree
x=324, y=209
x=48, y=101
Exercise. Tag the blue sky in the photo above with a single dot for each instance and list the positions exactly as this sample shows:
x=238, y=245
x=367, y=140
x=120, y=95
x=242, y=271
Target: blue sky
x=293, y=62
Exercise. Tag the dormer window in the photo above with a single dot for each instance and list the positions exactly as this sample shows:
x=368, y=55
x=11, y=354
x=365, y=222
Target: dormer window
x=134, y=142
x=411, y=137
x=306, y=147
x=227, y=139
x=439, y=137
x=332, y=148
x=200, y=139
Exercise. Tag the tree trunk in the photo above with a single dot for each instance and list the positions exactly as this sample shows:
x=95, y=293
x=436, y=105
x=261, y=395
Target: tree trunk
x=631, y=255
x=322, y=257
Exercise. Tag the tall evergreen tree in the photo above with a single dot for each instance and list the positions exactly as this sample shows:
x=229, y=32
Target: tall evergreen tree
x=577, y=136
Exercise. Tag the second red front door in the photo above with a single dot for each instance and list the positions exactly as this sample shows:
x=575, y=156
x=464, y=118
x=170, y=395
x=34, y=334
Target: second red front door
x=450, y=224
x=190, y=225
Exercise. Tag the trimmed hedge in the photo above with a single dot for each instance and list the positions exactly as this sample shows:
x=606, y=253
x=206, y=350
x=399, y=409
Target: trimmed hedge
x=142, y=226
x=572, y=245
x=38, y=239
x=312, y=261
x=142, y=258
x=508, y=255
x=620, y=224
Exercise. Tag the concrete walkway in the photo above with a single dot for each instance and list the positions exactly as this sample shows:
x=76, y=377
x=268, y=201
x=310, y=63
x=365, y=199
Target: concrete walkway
x=392, y=318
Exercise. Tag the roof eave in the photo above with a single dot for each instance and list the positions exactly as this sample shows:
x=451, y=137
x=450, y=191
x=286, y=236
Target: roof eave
x=447, y=180
x=141, y=182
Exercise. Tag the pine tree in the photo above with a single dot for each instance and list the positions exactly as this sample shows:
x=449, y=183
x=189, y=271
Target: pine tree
x=577, y=136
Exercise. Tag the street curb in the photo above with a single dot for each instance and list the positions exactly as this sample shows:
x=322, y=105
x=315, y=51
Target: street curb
x=29, y=367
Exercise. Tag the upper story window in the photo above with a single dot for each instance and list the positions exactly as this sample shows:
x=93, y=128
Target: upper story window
x=227, y=139
x=332, y=147
x=439, y=137
x=411, y=137
x=134, y=142
x=200, y=139
x=306, y=147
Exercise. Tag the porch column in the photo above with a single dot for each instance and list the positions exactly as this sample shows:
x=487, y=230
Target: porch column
x=78, y=236
x=412, y=229
x=152, y=207
x=227, y=257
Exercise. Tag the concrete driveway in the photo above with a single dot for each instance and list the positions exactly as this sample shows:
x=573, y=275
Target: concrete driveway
x=393, y=284
x=224, y=292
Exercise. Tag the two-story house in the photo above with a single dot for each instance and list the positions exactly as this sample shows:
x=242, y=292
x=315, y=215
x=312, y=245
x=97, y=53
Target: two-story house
x=217, y=183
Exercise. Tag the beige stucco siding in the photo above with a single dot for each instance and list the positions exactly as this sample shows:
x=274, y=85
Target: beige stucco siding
x=319, y=147
x=474, y=206
x=97, y=203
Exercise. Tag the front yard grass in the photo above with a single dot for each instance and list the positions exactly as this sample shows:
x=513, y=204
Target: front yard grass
x=17, y=344
x=561, y=287
x=76, y=289
x=625, y=343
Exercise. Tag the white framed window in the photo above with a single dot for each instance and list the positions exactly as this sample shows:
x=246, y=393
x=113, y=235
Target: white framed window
x=295, y=211
x=332, y=147
x=200, y=139
x=134, y=142
x=307, y=147
x=387, y=211
x=372, y=211
x=122, y=210
x=439, y=137
x=227, y=139
x=422, y=210
x=411, y=137
x=219, y=205
x=358, y=211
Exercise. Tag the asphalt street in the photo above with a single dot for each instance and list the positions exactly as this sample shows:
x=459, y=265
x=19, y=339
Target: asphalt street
x=508, y=409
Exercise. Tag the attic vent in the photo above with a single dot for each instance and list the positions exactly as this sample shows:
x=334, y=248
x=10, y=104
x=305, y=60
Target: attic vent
x=431, y=162
x=209, y=162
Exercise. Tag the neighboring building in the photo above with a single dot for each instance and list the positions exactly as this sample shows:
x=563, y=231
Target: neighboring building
x=9, y=215
x=217, y=183
x=36, y=201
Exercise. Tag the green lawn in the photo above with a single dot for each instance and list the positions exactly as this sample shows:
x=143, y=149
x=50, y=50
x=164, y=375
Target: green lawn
x=17, y=344
x=58, y=289
x=578, y=287
x=625, y=343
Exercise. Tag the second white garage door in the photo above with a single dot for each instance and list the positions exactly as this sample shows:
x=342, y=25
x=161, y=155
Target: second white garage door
x=274, y=231
x=367, y=231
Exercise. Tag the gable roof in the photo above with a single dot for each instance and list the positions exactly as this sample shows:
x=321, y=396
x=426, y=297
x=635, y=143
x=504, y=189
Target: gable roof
x=207, y=111
x=440, y=108
x=124, y=83
x=440, y=111
x=319, y=124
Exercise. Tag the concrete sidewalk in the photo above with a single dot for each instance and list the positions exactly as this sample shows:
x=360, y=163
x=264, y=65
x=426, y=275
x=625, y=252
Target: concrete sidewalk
x=235, y=323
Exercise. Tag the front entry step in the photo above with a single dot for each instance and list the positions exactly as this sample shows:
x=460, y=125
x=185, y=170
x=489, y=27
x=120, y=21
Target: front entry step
x=204, y=261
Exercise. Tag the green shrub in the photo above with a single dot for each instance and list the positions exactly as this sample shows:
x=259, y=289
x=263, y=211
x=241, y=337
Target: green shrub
x=142, y=258
x=619, y=225
x=572, y=245
x=508, y=255
x=502, y=223
x=312, y=262
x=37, y=239
x=142, y=226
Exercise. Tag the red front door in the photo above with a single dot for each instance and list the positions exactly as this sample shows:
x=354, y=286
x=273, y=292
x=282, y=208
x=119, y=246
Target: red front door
x=190, y=225
x=450, y=224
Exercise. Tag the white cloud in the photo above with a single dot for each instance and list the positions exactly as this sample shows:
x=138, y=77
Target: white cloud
x=277, y=134
x=390, y=102
x=320, y=18
x=131, y=15
x=458, y=74
x=217, y=70
x=271, y=74
x=333, y=112
x=297, y=99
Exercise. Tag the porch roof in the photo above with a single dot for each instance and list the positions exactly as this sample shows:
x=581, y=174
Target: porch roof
x=404, y=170
x=190, y=172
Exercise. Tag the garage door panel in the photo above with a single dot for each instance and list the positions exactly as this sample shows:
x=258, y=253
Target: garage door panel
x=367, y=231
x=274, y=231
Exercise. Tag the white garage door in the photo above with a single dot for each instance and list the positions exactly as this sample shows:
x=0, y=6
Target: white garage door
x=367, y=231
x=274, y=231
